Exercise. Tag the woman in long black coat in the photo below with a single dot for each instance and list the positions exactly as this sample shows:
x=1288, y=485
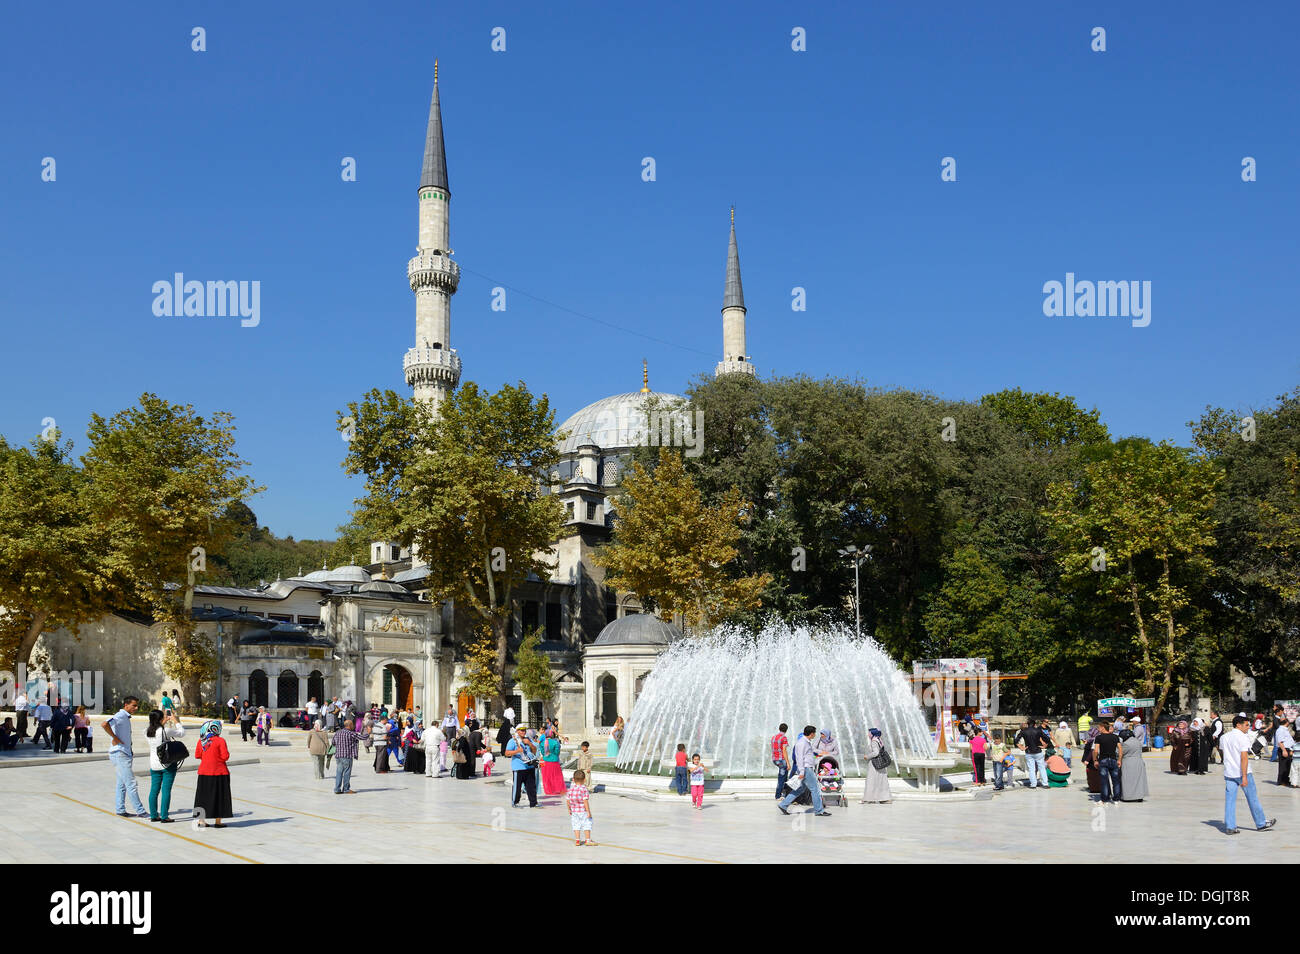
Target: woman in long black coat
x=465, y=769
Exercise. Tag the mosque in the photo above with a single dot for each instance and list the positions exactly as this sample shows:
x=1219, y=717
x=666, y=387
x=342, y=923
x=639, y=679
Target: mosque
x=371, y=632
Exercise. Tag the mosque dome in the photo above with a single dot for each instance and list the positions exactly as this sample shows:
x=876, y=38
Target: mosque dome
x=614, y=423
x=638, y=629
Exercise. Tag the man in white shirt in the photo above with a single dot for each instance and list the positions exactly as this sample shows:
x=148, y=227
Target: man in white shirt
x=20, y=709
x=1284, y=745
x=43, y=714
x=1237, y=775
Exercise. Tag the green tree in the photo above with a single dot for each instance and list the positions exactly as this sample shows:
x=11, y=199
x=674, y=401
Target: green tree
x=533, y=669
x=1138, y=525
x=54, y=566
x=161, y=480
x=673, y=550
x=482, y=679
x=466, y=489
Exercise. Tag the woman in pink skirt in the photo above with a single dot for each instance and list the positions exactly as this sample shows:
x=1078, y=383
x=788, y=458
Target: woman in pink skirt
x=552, y=774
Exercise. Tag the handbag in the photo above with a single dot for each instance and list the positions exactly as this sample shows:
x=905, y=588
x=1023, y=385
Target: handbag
x=171, y=752
x=882, y=761
x=457, y=756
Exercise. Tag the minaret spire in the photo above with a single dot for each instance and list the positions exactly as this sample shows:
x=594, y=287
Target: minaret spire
x=734, y=359
x=432, y=367
x=645, y=376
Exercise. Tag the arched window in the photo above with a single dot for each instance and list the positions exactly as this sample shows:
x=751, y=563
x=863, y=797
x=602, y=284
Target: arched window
x=257, y=688
x=640, y=684
x=286, y=691
x=608, y=699
x=316, y=686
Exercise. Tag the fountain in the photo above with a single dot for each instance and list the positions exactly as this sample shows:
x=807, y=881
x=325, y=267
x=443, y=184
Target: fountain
x=725, y=693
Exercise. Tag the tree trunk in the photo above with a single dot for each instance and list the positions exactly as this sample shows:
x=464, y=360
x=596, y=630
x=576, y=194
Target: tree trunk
x=1148, y=669
x=1168, y=681
x=501, y=629
x=24, y=652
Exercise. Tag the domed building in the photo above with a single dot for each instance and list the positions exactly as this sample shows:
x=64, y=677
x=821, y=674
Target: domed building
x=615, y=666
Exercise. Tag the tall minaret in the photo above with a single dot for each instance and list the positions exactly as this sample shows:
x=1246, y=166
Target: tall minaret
x=432, y=366
x=734, y=359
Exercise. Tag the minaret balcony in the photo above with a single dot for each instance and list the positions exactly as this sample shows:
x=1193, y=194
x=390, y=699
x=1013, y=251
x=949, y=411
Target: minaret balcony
x=432, y=366
x=432, y=269
x=733, y=366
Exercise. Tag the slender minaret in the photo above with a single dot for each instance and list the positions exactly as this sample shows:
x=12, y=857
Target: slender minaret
x=432, y=366
x=734, y=359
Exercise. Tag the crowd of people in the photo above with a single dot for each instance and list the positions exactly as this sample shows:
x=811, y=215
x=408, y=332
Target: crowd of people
x=57, y=725
x=806, y=771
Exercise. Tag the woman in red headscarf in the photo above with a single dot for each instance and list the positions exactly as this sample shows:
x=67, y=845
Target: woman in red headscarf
x=212, y=788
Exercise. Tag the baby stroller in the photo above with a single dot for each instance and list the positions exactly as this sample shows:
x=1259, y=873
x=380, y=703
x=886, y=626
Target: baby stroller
x=831, y=782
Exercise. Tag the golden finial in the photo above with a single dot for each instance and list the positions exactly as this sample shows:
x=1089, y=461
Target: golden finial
x=645, y=377
x=733, y=216
x=435, y=72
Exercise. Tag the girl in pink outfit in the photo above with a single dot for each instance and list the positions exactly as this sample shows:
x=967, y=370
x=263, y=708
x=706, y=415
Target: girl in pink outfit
x=697, y=781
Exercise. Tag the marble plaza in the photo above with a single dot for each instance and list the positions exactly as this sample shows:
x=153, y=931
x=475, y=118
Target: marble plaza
x=63, y=814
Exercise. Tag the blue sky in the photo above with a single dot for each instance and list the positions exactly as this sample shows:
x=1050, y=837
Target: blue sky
x=1122, y=165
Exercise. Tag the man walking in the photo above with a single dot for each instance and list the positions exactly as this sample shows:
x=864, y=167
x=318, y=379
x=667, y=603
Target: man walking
x=1217, y=737
x=1030, y=738
x=247, y=716
x=807, y=762
x=118, y=729
x=345, y=753
x=1107, y=757
x=781, y=758
x=1237, y=775
x=44, y=714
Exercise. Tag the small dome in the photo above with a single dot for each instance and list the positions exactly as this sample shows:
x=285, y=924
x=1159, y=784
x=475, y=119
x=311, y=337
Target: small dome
x=614, y=423
x=637, y=629
x=383, y=586
x=343, y=574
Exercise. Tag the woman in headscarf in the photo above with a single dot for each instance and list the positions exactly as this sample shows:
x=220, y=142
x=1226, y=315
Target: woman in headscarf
x=1180, y=748
x=379, y=733
x=828, y=748
x=413, y=752
x=465, y=769
x=1201, y=764
x=212, y=788
x=552, y=774
x=1196, y=738
x=1094, y=777
x=1133, y=774
x=877, y=780
x=507, y=730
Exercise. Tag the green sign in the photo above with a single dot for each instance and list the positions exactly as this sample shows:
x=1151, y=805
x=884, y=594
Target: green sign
x=1144, y=703
x=1116, y=702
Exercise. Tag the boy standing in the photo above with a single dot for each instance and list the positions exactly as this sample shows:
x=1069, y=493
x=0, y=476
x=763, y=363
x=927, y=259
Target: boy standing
x=585, y=761
x=579, y=808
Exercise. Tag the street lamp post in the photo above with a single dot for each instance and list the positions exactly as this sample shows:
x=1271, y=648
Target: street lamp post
x=857, y=556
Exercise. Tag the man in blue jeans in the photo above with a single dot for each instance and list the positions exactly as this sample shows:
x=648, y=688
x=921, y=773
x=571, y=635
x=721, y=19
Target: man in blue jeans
x=1030, y=738
x=807, y=761
x=1237, y=775
x=119, y=753
x=1107, y=756
x=780, y=758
